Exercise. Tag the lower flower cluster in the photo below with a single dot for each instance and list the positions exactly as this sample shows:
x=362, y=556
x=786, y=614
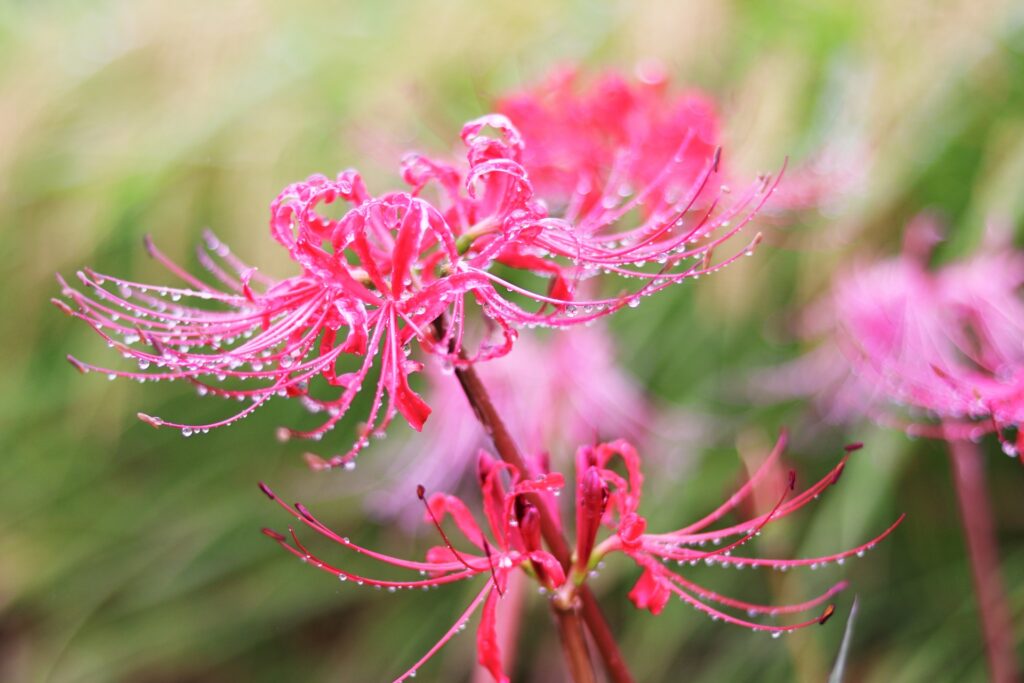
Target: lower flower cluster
x=512, y=504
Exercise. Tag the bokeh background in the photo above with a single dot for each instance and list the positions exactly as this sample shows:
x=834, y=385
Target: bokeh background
x=128, y=554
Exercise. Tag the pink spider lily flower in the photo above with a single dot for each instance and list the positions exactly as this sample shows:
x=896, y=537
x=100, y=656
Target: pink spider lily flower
x=604, y=498
x=371, y=282
x=514, y=542
x=608, y=136
x=384, y=274
x=946, y=342
x=617, y=148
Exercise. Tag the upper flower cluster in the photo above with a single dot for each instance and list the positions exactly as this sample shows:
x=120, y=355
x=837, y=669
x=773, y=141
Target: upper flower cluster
x=411, y=264
x=603, y=498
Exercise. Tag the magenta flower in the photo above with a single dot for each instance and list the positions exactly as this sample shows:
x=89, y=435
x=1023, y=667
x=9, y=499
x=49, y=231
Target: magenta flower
x=386, y=273
x=945, y=341
x=597, y=139
x=591, y=144
x=603, y=498
x=617, y=148
x=515, y=541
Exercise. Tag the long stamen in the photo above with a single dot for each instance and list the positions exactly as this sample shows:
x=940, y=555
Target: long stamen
x=490, y=562
x=421, y=494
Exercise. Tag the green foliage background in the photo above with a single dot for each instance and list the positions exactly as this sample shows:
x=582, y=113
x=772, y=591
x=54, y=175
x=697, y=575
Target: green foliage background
x=128, y=554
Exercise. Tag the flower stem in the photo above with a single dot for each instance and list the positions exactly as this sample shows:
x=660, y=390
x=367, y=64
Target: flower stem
x=572, y=637
x=574, y=645
x=979, y=530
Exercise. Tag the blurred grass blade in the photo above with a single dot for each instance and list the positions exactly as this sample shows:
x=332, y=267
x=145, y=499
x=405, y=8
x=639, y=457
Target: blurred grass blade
x=839, y=669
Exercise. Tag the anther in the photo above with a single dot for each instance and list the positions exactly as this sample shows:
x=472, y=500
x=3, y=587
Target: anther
x=151, y=420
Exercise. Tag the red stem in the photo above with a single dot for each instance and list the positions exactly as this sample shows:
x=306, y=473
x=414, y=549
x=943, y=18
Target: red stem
x=574, y=645
x=590, y=612
x=982, y=549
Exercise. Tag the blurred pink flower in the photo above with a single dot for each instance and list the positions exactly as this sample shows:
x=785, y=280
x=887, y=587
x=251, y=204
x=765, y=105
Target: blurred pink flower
x=553, y=392
x=604, y=497
x=591, y=143
x=380, y=276
x=595, y=136
x=948, y=341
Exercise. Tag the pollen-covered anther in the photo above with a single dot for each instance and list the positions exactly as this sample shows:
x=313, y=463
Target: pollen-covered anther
x=827, y=614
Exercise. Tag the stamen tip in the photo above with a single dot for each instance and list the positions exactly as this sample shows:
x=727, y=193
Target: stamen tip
x=315, y=462
x=77, y=364
x=267, y=491
x=840, y=468
x=151, y=420
x=273, y=534
x=827, y=614
x=62, y=306
x=855, y=446
x=420, y=492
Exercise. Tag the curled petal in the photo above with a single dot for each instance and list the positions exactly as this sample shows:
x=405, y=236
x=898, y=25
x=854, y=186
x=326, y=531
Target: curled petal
x=487, y=646
x=650, y=592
